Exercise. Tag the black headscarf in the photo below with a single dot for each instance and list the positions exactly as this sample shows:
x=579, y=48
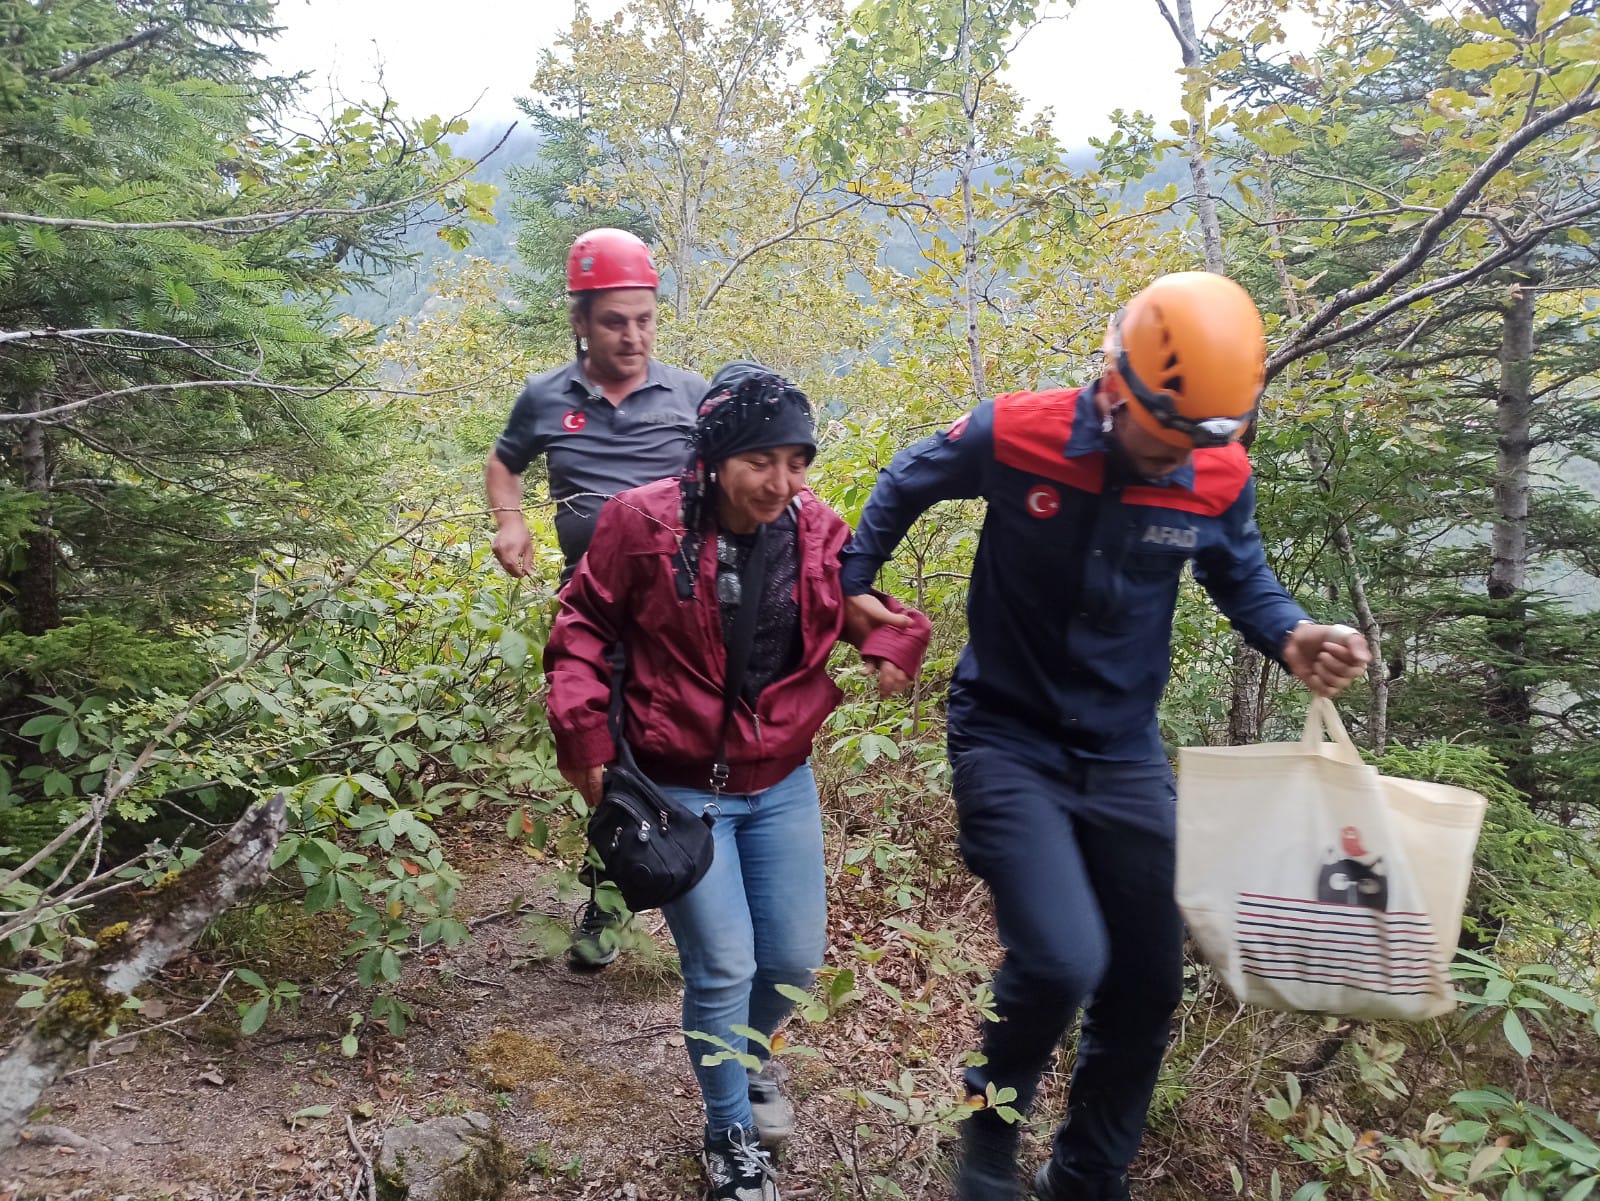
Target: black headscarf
x=751, y=407
x=747, y=407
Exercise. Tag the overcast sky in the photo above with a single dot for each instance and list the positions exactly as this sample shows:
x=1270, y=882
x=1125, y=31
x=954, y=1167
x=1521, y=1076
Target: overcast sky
x=1103, y=55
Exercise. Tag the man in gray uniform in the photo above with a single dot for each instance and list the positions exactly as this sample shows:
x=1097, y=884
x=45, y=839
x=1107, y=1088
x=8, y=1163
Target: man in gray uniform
x=612, y=419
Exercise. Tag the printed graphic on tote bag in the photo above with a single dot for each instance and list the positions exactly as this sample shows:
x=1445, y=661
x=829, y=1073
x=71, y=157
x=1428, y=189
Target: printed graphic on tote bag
x=1350, y=881
x=1346, y=937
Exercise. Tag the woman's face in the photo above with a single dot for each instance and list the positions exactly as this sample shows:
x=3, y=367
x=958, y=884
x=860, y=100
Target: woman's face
x=754, y=488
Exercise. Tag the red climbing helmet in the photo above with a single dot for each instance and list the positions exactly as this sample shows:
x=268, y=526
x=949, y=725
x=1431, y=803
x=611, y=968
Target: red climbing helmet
x=610, y=258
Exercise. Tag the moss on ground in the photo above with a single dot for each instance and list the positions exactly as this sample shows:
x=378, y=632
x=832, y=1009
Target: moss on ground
x=562, y=1088
x=280, y=939
x=508, y=1059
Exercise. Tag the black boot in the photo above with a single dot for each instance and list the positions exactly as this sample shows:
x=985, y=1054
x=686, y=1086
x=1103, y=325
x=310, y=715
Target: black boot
x=988, y=1167
x=737, y=1169
x=1055, y=1183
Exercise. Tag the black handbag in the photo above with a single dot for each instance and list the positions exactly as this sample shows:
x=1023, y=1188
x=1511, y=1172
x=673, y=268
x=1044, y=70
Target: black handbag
x=654, y=849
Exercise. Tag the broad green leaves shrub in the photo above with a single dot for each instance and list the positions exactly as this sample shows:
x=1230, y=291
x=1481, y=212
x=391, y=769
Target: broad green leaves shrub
x=391, y=701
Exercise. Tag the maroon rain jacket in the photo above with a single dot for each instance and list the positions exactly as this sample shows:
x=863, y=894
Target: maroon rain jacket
x=624, y=591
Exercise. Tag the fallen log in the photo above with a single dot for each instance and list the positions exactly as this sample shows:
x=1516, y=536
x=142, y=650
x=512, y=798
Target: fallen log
x=84, y=998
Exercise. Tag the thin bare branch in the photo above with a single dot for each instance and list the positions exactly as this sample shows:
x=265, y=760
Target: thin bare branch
x=1305, y=340
x=49, y=416
x=784, y=235
x=81, y=335
x=368, y=1177
x=1184, y=44
x=1511, y=250
x=177, y=1021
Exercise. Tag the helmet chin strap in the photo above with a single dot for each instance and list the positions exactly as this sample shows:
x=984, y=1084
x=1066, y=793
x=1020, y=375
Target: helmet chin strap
x=1106, y=388
x=1117, y=456
x=1117, y=404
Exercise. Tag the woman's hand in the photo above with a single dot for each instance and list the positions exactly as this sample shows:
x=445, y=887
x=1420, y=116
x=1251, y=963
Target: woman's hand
x=891, y=680
x=587, y=781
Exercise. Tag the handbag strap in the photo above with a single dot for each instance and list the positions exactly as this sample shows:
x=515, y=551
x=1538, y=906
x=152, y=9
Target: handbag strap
x=752, y=581
x=619, y=680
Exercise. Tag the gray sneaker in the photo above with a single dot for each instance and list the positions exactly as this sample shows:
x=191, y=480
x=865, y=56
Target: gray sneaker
x=596, y=938
x=773, y=1114
x=737, y=1169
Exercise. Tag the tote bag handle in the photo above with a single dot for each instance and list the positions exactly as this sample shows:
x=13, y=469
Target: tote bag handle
x=1322, y=720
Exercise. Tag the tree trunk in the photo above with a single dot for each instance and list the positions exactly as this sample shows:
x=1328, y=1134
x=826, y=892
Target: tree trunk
x=38, y=597
x=683, y=255
x=1510, y=704
x=1247, y=671
x=969, y=218
x=1205, y=204
x=85, y=999
x=1245, y=676
x=1377, y=669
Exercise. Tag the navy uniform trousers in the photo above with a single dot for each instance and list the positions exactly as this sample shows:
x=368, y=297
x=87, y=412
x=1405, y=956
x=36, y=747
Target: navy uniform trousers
x=1079, y=855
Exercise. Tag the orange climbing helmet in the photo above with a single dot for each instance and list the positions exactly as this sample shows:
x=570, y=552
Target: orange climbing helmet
x=610, y=258
x=1188, y=355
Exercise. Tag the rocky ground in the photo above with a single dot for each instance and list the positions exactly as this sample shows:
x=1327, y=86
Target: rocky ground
x=586, y=1075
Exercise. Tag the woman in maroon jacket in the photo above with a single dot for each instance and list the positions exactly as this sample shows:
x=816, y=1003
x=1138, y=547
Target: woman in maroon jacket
x=663, y=578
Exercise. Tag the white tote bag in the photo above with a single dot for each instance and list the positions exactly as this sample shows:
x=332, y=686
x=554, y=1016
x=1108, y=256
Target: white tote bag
x=1311, y=882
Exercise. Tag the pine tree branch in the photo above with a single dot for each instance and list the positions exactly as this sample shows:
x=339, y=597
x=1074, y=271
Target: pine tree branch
x=247, y=224
x=84, y=61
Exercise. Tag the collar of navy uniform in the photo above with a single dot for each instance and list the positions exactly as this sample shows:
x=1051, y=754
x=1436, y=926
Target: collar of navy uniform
x=1088, y=438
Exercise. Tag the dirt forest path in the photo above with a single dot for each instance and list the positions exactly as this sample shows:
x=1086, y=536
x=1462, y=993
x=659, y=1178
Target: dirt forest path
x=586, y=1075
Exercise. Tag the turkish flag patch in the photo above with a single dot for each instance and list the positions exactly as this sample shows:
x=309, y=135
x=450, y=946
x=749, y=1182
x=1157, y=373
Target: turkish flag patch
x=1043, y=501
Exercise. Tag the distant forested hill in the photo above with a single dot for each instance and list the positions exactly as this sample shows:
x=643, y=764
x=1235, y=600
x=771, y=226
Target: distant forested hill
x=406, y=291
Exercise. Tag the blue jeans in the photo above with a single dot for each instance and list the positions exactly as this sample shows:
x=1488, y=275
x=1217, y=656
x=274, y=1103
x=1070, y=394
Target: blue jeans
x=758, y=919
x=1079, y=856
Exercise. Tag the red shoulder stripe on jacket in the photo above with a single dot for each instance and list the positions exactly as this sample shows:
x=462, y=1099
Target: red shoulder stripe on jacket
x=1031, y=431
x=1219, y=477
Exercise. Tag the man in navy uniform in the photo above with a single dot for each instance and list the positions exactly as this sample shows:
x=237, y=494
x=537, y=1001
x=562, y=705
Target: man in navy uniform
x=1096, y=499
